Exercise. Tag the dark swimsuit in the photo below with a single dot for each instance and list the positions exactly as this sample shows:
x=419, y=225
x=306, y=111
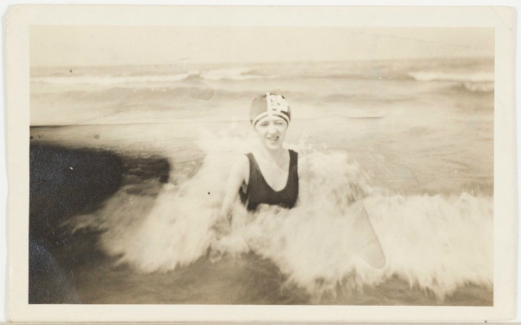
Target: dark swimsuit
x=259, y=192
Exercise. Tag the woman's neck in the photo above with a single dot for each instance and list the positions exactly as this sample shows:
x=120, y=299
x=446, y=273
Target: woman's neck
x=278, y=156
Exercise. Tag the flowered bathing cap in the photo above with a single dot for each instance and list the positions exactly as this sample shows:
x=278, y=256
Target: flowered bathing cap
x=269, y=104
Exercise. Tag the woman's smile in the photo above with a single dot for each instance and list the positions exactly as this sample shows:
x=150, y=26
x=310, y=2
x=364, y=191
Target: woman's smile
x=272, y=131
x=273, y=138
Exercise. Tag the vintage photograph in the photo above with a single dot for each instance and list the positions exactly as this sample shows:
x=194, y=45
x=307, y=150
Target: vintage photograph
x=262, y=165
x=207, y=164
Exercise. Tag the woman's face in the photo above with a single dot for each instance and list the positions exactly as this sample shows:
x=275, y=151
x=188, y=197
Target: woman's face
x=272, y=132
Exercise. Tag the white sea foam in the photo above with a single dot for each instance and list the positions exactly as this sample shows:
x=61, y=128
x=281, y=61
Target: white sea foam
x=436, y=243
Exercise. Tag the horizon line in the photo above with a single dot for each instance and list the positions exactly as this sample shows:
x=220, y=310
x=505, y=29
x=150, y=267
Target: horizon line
x=180, y=61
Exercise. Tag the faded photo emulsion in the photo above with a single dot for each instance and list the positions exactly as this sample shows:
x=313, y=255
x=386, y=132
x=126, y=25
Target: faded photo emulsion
x=206, y=164
x=261, y=165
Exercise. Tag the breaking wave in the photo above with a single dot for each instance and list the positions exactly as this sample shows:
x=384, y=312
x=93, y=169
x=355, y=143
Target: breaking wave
x=109, y=80
x=437, y=243
x=471, y=81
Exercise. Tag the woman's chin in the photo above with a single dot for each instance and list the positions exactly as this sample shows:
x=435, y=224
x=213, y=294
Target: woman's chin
x=273, y=145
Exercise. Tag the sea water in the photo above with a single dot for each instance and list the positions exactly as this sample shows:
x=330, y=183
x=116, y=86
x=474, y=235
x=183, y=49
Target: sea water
x=411, y=140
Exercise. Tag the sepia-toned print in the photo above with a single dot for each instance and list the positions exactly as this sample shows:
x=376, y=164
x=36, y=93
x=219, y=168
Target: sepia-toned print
x=167, y=179
x=209, y=164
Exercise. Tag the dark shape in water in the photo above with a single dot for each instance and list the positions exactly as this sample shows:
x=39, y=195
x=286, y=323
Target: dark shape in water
x=65, y=182
x=48, y=281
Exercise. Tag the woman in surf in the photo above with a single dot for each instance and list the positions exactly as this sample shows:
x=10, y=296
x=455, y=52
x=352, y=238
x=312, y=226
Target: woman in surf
x=269, y=173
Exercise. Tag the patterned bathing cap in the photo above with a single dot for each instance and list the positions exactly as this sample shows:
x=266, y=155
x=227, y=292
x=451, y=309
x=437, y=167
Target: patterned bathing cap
x=269, y=104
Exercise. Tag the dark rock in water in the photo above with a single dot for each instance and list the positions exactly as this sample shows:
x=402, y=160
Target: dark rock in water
x=69, y=182
x=65, y=182
x=49, y=283
x=147, y=168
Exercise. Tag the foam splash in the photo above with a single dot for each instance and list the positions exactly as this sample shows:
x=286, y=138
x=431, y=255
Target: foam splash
x=433, y=242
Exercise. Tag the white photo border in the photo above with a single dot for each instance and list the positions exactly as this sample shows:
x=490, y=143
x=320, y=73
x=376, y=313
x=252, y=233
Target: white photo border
x=18, y=22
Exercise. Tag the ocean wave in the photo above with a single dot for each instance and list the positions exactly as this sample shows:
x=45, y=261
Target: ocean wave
x=477, y=77
x=472, y=87
x=328, y=240
x=108, y=80
x=477, y=82
x=483, y=87
x=229, y=74
x=113, y=80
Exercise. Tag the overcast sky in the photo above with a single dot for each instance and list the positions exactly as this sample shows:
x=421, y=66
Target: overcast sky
x=80, y=45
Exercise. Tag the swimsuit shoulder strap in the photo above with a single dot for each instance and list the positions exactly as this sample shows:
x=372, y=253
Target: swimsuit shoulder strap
x=293, y=163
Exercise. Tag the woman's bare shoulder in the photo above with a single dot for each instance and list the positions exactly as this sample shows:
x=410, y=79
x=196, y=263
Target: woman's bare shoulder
x=241, y=166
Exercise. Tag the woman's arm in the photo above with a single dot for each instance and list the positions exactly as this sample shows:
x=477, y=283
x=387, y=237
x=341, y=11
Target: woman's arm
x=238, y=175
